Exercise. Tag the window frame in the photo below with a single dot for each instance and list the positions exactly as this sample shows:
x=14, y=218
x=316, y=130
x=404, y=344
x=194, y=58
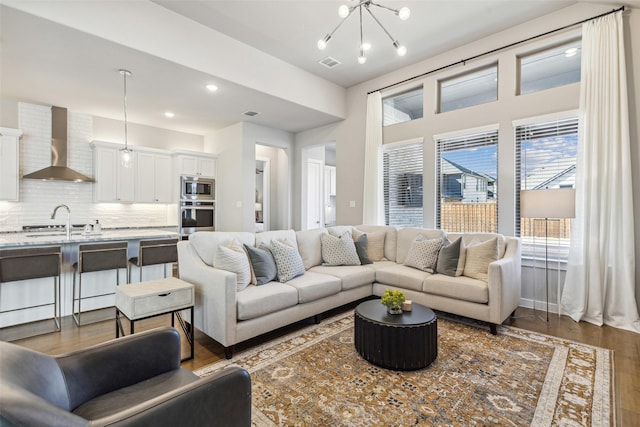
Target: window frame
x=440, y=81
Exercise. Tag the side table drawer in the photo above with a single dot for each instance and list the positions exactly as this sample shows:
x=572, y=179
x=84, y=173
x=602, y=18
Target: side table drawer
x=152, y=304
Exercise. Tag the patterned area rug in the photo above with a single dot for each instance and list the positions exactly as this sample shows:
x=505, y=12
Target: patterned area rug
x=315, y=377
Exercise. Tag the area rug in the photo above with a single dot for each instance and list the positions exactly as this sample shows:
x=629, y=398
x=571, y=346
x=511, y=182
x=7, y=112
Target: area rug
x=315, y=377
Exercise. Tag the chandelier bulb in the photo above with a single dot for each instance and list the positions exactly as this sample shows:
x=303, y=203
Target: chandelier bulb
x=402, y=51
x=343, y=11
x=404, y=13
x=362, y=59
x=322, y=43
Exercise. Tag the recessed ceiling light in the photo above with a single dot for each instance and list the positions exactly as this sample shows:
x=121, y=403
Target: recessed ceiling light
x=169, y=114
x=570, y=52
x=212, y=88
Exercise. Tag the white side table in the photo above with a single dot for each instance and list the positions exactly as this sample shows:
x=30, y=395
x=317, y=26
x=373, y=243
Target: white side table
x=137, y=301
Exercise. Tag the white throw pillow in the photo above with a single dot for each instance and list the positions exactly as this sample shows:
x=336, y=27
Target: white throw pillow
x=375, y=243
x=478, y=257
x=288, y=260
x=423, y=253
x=339, y=250
x=232, y=257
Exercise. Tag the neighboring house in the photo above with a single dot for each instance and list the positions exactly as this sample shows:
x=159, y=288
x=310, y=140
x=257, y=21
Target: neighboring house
x=465, y=185
x=558, y=173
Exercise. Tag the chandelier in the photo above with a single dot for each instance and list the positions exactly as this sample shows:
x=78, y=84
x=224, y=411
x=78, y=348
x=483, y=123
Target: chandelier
x=126, y=153
x=345, y=11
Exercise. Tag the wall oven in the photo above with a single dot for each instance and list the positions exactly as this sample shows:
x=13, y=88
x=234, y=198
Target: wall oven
x=196, y=188
x=196, y=215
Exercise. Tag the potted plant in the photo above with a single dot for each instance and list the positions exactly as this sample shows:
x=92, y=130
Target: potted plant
x=393, y=300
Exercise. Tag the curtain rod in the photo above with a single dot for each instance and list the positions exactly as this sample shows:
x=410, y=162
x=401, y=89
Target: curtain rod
x=471, y=58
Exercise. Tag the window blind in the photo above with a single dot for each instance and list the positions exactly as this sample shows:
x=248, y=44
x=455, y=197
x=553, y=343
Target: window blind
x=545, y=158
x=467, y=183
x=403, y=184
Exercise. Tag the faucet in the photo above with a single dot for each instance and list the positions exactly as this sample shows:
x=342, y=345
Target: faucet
x=68, y=226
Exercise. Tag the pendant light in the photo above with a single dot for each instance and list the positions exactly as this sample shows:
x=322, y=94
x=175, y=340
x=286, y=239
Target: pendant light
x=126, y=154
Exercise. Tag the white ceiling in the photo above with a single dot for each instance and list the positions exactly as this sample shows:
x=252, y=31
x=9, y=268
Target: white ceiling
x=48, y=63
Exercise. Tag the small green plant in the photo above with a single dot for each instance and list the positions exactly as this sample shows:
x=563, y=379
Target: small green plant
x=392, y=298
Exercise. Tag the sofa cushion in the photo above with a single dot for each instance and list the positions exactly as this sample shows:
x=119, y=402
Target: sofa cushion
x=401, y=276
x=482, y=237
x=262, y=263
x=232, y=257
x=256, y=301
x=462, y=288
x=310, y=247
x=206, y=242
x=339, y=250
x=423, y=253
x=478, y=257
x=406, y=236
x=267, y=236
x=288, y=261
x=352, y=276
x=313, y=286
x=451, y=258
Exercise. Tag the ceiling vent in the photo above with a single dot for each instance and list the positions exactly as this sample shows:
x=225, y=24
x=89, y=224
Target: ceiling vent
x=329, y=62
x=250, y=113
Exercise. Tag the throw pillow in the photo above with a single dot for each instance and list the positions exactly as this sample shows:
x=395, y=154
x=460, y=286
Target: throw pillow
x=339, y=250
x=423, y=253
x=375, y=243
x=361, y=249
x=478, y=257
x=449, y=257
x=264, y=266
x=232, y=257
x=288, y=260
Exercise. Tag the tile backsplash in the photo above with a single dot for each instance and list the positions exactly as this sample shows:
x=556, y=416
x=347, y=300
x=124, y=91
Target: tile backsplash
x=38, y=198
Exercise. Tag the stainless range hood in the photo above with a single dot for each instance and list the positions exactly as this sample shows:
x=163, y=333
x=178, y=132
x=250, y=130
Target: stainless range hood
x=58, y=171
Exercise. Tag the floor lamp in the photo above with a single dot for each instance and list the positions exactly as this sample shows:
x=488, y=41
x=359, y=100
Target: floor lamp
x=547, y=204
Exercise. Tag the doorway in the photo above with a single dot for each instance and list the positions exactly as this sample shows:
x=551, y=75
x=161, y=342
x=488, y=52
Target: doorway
x=318, y=186
x=262, y=200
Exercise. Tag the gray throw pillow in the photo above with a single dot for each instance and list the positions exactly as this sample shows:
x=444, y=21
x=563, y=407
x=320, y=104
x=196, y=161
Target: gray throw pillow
x=448, y=258
x=264, y=266
x=361, y=249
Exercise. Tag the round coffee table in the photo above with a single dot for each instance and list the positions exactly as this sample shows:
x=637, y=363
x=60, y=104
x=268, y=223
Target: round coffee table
x=402, y=342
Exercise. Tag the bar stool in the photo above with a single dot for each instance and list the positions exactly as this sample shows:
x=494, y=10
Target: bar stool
x=94, y=257
x=152, y=252
x=33, y=263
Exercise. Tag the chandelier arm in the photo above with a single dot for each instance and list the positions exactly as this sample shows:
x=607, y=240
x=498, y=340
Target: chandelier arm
x=396, y=11
x=381, y=26
x=341, y=22
x=361, y=40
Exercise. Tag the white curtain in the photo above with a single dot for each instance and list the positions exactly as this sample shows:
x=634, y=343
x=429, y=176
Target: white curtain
x=600, y=286
x=372, y=201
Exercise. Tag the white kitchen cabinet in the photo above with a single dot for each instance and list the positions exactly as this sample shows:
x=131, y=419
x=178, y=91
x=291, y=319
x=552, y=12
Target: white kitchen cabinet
x=154, y=181
x=192, y=165
x=114, y=183
x=9, y=163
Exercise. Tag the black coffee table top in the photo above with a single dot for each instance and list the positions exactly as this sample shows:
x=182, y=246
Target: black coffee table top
x=374, y=311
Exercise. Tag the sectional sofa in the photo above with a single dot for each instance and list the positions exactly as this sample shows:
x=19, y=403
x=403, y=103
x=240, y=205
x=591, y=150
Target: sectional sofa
x=230, y=313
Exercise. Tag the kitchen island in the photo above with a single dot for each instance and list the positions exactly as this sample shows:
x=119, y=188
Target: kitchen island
x=28, y=293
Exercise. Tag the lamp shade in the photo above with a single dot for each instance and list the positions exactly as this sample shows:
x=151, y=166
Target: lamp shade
x=548, y=203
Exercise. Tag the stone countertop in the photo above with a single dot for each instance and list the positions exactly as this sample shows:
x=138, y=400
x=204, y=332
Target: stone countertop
x=59, y=237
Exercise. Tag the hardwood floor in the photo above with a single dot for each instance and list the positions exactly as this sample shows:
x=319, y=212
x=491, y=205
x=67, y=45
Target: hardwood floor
x=626, y=346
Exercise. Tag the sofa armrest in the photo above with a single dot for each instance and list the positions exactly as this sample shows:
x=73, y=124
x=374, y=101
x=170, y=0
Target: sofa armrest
x=505, y=282
x=223, y=399
x=102, y=368
x=215, y=311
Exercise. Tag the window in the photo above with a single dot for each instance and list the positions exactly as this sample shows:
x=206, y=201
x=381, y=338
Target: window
x=472, y=88
x=402, y=107
x=467, y=188
x=557, y=66
x=402, y=170
x=545, y=158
